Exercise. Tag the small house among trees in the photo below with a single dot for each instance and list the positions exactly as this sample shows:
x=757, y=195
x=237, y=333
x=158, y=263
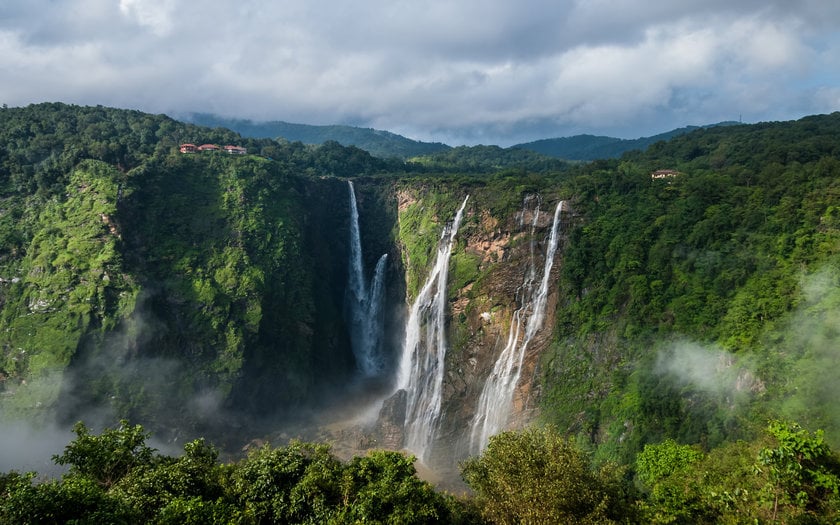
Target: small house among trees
x=664, y=174
x=235, y=150
x=192, y=148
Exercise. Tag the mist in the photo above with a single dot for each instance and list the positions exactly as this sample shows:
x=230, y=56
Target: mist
x=107, y=381
x=812, y=347
x=26, y=446
x=709, y=369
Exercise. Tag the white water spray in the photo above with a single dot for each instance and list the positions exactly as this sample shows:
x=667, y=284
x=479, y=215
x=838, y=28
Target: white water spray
x=424, y=350
x=364, y=304
x=494, y=404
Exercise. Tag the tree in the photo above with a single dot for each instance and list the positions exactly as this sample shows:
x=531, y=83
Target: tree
x=803, y=474
x=383, y=487
x=186, y=489
x=538, y=476
x=74, y=499
x=671, y=492
x=299, y=483
x=108, y=457
x=788, y=475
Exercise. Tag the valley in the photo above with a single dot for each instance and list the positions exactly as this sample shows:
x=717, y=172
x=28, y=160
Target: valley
x=322, y=293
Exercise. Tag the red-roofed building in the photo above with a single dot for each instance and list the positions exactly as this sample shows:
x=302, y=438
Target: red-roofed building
x=208, y=147
x=236, y=150
x=188, y=148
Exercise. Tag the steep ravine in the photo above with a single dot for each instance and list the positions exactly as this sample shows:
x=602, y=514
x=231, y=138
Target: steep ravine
x=238, y=280
x=487, y=267
x=481, y=316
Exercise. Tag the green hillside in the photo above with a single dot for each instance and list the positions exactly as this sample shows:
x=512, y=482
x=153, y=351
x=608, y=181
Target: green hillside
x=697, y=304
x=487, y=159
x=376, y=142
x=690, y=370
x=149, y=278
x=592, y=147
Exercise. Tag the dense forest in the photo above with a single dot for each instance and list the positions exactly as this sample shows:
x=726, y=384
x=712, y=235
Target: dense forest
x=106, y=229
x=593, y=147
x=374, y=141
x=689, y=376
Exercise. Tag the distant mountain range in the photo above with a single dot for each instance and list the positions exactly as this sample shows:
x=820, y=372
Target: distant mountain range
x=376, y=142
x=387, y=145
x=592, y=147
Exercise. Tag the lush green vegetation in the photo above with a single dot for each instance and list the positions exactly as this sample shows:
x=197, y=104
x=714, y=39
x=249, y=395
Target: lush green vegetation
x=115, y=477
x=379, y=143
x=696, y=305
x=787, y=475
x=68, y=283
x=538, y=476
x=694, y=308
x=487, y=159
x=157, y=276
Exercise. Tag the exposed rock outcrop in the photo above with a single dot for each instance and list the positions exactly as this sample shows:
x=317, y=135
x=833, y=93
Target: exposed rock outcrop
x=480, y=318
x=389, y=426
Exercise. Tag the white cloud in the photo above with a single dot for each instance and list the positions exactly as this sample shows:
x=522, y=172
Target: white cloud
x=439, y=70
x=154, y=14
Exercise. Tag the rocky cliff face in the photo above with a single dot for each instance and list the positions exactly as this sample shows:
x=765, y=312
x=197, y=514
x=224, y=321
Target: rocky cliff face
x=495, y=253
x=483, y=313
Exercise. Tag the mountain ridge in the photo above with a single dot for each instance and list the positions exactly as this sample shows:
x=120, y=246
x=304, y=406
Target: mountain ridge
x=379, y=143
x=586, y=147
x=383, y=143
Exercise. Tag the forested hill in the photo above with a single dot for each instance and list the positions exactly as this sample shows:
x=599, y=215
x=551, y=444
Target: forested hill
x=156, y=274
x=592, y=147
x=487, y=159
x=691, y=322
x=709, y=262
x=377, y=142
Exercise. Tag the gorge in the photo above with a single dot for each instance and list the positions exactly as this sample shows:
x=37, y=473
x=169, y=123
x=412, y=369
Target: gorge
x=253, y=297
x=494, y=404
x=364, y=301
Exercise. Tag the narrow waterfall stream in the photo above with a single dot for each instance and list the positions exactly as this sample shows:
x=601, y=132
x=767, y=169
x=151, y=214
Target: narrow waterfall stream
x=364, y=303
x=494, y=404
x=421, y=365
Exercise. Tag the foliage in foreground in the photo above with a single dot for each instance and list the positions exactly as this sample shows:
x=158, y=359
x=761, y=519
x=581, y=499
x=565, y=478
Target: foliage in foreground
x=116, y=478
x=538, y=476
x=788, y=475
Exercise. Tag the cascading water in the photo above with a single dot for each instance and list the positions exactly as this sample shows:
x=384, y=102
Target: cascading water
x=364, y=304
x=494, y=404
x=424, y=350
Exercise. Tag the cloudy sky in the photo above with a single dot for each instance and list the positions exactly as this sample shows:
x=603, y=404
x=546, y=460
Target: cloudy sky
x=457, y=71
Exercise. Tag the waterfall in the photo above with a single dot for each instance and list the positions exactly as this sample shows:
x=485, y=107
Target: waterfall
x=494, y=404
x=375, y=321
x=364, y=305
x=424, y=349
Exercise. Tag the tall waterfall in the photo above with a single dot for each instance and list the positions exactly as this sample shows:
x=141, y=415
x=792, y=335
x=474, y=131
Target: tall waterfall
x=494, y=404
x=364, y=304
x=424, y=350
